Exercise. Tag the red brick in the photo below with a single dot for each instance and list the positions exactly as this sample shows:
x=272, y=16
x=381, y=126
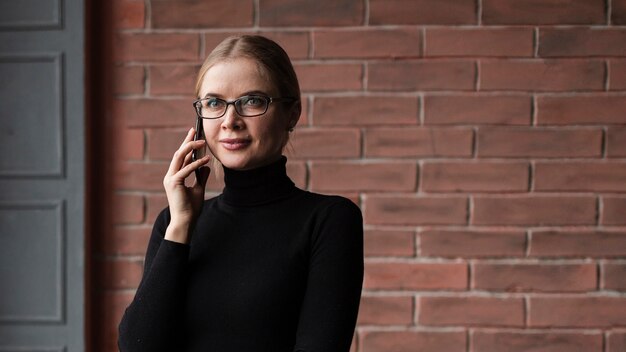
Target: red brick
x=612, y=211
x=578, y=244
x=155, y=112
x=365, y=110
x=411, y=341
x=524, y=142
x=422, y=12
x=202, y=13
x=477, y=109
x=326, y=143
x=616, y=142
x=581, y=312
x=542, y=75
x=155, y=202
x=311, y=13
x=411, y=210
x=127, y=240
x=450, y=243
x=381, y=310
x=582, y=109
x=534, y=210
x=162, y=143
x=617, y=74
x=127, y=209
x=614, y=276
x=580, y=176
x=296, y=44
x=121, y=273
x=618, y=16
x=128, y=14
x=474, y=177
x=389, y=243
x=129, y=144
x=330, y=77
x=471, y=311
x=535, y=277
x=581, y=41
x=156, y=47
x=616, y=341
x=128, y=80
x=452, y=41
x=370, y=43
x=536, y=12
x=375, y=176
x=492, y=341
x=415, y=276
x=140, y=176
x=173, y=79
x=422, y=75
x=297, y=171
x=418, y=142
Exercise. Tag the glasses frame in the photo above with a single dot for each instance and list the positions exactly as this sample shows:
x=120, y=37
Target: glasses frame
x=198, y=105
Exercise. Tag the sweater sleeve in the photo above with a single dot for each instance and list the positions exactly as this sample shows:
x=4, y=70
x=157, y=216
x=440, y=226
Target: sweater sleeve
x=331, y=302
x=152, y=320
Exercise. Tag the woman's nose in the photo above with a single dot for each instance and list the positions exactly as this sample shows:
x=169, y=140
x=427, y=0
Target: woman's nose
x=232, y=120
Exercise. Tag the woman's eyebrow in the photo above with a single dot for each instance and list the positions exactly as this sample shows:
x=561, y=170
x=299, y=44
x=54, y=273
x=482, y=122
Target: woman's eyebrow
x=251, y=92
x=212, y=95
x=255, y=92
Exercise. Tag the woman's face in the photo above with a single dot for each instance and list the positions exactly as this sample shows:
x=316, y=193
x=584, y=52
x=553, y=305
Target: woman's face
x=238, y=142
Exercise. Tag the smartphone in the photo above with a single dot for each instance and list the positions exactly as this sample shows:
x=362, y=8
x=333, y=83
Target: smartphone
x=200, y=152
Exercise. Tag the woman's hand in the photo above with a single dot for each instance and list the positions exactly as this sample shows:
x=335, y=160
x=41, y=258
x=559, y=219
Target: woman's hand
x=185, y=202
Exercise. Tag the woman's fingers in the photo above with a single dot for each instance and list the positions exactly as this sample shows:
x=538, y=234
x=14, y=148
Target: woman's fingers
x=178, y=160
x=188, y=137
x=175, y=163
x=187, y=159
x=187, y=170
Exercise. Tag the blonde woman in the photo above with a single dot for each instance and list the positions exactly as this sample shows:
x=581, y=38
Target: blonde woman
x=264, y=266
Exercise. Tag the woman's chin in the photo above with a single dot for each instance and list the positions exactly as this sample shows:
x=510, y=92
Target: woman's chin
x=234, y=162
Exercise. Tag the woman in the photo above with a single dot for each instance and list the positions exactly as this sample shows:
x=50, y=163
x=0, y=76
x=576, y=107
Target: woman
x=264, y=266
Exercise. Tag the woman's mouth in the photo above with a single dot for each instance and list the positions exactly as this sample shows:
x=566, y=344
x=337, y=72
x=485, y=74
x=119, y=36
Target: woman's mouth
x=234, y=143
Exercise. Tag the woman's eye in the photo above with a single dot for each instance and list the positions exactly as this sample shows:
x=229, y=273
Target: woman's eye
x=253, y=101
x=213, y=103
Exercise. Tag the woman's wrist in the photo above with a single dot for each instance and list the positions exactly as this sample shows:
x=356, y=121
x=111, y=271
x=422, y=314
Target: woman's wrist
x=178, y=232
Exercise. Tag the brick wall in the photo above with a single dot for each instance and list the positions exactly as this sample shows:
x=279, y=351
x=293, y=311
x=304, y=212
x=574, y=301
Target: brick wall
x=485, y=141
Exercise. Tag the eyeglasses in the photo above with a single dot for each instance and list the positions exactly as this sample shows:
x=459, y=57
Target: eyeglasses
x=247, y=106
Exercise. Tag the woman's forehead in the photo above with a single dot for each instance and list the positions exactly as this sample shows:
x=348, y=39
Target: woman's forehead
x=236, y=76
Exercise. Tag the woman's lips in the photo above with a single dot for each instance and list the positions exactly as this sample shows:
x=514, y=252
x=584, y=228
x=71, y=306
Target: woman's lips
x=234, y=143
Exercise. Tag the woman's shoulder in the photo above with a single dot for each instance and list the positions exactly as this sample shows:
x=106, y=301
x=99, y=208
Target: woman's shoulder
x=332, y=204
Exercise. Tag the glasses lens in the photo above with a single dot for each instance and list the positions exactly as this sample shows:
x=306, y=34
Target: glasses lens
x=212, y=107
x=251, y=105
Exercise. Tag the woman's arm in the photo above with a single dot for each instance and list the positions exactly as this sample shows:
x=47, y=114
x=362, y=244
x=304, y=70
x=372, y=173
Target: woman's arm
x=331, y=303
x=151, y=321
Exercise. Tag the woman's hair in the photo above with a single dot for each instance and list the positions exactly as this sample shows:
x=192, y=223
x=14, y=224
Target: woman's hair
x=271, y=58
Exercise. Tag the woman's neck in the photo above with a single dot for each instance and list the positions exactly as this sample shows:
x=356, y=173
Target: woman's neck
x=257, y=186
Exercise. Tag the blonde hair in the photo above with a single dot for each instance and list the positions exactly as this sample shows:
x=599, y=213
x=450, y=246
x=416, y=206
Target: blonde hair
x=271, y=59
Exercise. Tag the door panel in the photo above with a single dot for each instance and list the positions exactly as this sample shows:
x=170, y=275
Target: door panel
x=42, y=175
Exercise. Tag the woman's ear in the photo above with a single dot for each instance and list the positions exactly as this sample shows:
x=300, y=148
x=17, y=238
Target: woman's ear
x=294, y=115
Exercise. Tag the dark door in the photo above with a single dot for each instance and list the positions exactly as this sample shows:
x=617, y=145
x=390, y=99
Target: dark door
x=41, y=175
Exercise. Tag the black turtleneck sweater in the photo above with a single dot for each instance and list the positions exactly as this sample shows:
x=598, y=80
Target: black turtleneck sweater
x=269, y=268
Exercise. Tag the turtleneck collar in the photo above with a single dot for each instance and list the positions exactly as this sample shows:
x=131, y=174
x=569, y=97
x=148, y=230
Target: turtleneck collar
x=257, y=186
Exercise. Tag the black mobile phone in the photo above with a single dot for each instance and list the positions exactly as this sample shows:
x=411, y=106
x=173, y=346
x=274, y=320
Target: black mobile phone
x=201, y=152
